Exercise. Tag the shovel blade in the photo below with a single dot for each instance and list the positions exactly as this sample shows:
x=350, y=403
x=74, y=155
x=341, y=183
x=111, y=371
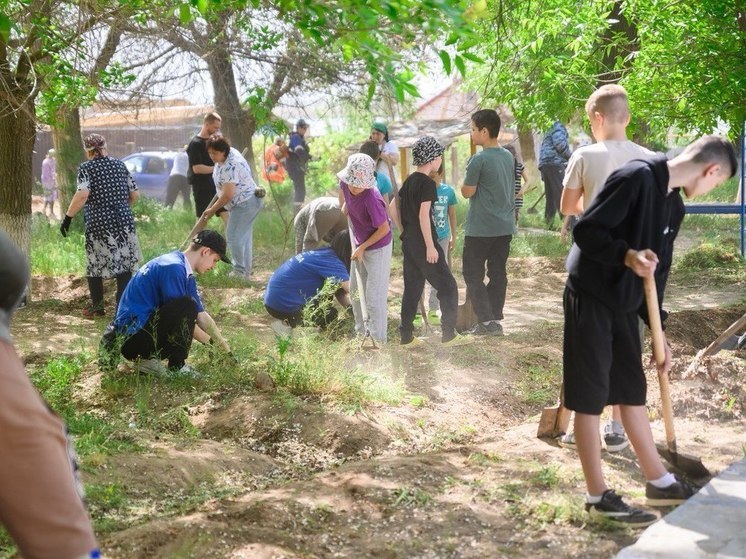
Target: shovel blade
x=691, y=466
x=553, y=422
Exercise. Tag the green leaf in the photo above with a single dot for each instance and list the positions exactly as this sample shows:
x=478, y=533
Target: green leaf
x=460, y=65
x=473, y=57
x=445, y=58
x=185, y=14
x=5, y=26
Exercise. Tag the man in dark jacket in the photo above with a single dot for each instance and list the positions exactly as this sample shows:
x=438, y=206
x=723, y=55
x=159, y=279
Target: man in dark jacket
x=553, y=156
x=627, y=234
x=297, y=162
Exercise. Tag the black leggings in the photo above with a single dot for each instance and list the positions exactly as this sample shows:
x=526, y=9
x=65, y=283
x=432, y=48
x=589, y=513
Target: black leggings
x=320, y=315
x=166, y=335
x=96, y=289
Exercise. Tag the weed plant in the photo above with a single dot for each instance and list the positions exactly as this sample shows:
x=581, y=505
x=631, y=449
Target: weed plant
x=307, y=364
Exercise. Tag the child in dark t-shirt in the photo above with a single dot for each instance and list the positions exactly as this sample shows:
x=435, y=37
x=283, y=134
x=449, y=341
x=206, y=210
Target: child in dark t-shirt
x=423, y=257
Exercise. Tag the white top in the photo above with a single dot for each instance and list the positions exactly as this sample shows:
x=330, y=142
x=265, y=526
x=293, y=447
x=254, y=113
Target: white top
x=235, y=169
x=389, y=148
x=181, y=164
x=590, y=166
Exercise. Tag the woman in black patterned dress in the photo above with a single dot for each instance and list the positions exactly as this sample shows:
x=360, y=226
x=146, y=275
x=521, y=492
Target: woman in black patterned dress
x=106, y=190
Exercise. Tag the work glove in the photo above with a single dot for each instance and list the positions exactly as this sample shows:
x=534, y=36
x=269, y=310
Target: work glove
x=65, y=225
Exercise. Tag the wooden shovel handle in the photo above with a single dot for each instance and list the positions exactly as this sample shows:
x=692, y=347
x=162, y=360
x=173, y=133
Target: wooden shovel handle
x=659, y=354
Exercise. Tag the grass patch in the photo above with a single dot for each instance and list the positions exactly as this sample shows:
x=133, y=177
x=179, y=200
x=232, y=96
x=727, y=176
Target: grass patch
x=711, y=263
x=540, y=383
x=309, y=365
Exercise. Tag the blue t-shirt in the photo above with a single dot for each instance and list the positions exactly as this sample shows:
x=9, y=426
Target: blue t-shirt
x=161, y=280
x=384, y=184
x=446, y=199
x=299, y=279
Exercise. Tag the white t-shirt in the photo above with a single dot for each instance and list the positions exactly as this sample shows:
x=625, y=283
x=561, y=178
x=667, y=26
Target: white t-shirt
x=590, y=166
x=181, y=164
x=389, y=148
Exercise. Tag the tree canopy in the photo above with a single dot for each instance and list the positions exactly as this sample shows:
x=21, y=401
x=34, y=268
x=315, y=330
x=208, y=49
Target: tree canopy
x=683, y=63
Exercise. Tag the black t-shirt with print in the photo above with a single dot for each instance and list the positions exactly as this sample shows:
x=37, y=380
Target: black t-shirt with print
x=418, y=188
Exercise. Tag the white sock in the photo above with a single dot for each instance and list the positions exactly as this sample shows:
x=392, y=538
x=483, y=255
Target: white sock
x=592, y=499
x=616, y=427
x=664, y=481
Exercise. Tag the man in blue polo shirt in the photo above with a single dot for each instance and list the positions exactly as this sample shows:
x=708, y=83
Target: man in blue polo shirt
x=161, y=311
x=299, y=281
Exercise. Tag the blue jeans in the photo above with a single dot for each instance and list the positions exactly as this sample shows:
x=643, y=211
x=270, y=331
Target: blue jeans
x=240, y=234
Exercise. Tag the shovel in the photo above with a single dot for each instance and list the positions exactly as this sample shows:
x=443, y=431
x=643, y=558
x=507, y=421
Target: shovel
x=723, y=341
x=554, y=419
x=688, y=465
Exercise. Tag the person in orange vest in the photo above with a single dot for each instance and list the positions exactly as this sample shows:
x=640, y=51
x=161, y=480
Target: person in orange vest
x=274, y=161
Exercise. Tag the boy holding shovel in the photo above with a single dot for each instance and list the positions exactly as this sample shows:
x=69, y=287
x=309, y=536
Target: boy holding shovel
x=627, y=233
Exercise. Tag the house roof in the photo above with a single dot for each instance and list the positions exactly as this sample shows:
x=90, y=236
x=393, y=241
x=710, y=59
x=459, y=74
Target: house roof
x=172, y=113
x=449, y=103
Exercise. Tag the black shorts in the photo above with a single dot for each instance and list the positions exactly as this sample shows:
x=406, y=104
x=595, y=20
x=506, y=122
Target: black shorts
x=602, y=358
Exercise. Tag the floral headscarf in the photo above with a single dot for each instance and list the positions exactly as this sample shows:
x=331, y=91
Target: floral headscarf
x=95, y=143
x=359, y=172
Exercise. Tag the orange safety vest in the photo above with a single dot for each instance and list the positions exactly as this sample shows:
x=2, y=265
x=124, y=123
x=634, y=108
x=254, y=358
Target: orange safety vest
x=273, y=170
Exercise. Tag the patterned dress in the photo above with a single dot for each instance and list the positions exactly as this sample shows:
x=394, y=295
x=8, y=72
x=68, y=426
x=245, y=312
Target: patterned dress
x=111, y=243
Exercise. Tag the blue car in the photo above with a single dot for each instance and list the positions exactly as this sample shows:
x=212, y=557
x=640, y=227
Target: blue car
x=151, y=170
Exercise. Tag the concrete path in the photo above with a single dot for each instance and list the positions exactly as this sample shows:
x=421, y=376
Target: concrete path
x=711, y=525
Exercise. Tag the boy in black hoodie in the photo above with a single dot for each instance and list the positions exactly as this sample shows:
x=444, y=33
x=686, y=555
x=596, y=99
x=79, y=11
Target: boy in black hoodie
x=626, y=234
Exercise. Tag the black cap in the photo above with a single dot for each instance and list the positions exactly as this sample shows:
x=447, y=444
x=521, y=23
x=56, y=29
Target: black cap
x=301, y=123
x=212, y=240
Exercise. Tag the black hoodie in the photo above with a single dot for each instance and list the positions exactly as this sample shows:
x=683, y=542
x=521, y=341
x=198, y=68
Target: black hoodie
x=633, y=210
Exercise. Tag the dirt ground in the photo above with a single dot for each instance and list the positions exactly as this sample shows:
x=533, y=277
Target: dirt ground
x=455, y=472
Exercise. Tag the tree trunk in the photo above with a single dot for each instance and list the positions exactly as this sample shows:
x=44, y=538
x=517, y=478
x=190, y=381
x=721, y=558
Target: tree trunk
x=17, y=136
x=236, y=125
x=69, y=146
x=621, y=26
x=526, y=140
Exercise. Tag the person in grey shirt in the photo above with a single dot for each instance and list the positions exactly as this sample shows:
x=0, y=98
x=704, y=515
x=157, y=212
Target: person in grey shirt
x=318, y=221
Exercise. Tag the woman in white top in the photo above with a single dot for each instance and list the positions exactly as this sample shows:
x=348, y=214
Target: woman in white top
x=237, y=193
x=389, y=152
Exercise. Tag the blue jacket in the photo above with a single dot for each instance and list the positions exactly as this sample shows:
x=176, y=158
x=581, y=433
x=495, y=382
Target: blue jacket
x=555, y=147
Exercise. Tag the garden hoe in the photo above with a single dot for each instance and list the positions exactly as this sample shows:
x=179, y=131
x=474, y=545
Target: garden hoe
x=532, y=209
x=688, y=465
x=200, y=225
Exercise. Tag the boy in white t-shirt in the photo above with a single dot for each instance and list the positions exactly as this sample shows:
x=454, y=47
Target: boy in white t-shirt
x=587, y=170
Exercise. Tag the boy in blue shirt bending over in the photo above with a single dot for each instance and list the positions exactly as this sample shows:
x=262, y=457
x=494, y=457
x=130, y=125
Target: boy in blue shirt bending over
x=161, y=311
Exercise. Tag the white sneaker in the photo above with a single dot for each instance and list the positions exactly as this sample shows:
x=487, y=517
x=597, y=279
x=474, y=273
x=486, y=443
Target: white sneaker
x=152, y=367
x=568, y=441
x=187, y=371
x=281, y=328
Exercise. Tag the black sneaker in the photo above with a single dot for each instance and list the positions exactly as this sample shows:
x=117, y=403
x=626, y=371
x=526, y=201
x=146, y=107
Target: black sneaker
x=674, y=494
x=490, y=329
x=615, y=510
x=614, y=441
